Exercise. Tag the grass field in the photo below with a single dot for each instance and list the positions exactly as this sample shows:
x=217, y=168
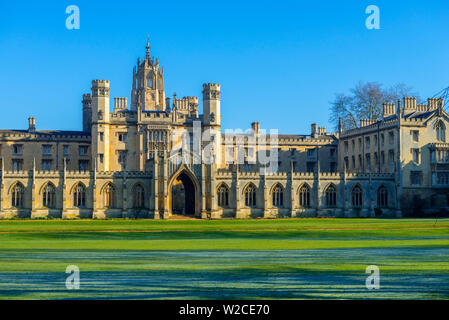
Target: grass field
x=244, y=259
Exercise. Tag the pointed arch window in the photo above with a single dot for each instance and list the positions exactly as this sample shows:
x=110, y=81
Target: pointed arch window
x=49, y=196
x=441, y=131
x=17, y=195
x=250, y=196
x=304, y=196
x=109, y=194
x=357, y=196
x=79, y=196
x=331, y=196
x=278, y=196
x=382, y=197
x=223, y=196
x=139, y=197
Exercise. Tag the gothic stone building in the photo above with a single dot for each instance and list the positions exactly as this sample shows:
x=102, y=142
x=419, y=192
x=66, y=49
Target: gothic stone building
x=130, y=162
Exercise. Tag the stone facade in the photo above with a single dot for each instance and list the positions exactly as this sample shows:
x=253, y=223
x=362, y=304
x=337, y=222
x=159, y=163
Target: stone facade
x=411, y=142
x=143, y=161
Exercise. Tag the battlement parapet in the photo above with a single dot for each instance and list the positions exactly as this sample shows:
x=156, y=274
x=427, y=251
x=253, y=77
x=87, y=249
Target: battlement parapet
x=47, y=173
x=241, y=139
x=304, y=174
x=276, y=175
x=307, y=140
x=439, y=145
x=100, y=83
x=122, y=174
x=87, y=100
x=223, y=173
x=334, y=175
x=17, y=174
x=74, y=174
x=44, y=136
x=211, y=85
x=373, y=176
x=251, y=174
x=384, y=124
x=413, y=121
x=156, y=115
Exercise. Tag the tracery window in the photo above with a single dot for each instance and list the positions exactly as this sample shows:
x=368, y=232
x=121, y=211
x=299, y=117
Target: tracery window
x=17, y=195
x=49, y=196
x=331, y=196
x=250, y=196
x=304, y=196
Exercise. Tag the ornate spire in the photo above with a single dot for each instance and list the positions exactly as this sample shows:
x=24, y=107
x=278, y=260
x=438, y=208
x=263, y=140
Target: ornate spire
x=148, y=46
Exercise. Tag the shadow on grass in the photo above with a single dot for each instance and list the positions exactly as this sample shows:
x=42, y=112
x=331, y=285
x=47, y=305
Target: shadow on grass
x=250, y=235
x=295, y=274
x=221, y=285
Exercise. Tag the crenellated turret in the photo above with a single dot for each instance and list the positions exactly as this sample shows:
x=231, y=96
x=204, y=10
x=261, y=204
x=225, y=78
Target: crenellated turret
x=100, y=131
x=100, y=100
x=211, y=104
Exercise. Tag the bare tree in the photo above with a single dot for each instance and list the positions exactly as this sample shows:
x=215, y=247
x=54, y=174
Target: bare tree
x=365, y=102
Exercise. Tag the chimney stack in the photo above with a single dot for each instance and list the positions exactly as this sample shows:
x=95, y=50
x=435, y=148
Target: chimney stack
x=31, y=124
x=314, y=130
x=322, y=131
x=255, y=126
x=167, y=104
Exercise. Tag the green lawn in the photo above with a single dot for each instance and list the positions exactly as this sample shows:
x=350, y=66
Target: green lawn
x=226, y=259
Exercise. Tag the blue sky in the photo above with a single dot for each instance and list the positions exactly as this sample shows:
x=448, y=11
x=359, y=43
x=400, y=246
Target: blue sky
x=278, y=62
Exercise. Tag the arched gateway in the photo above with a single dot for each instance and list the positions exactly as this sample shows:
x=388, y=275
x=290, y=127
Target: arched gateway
x=184, y=194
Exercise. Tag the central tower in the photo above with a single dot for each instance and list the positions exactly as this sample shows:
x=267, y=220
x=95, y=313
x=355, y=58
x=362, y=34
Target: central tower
x=148, y=84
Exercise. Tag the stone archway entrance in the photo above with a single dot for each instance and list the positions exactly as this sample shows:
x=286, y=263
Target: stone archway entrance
x=183, y=195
